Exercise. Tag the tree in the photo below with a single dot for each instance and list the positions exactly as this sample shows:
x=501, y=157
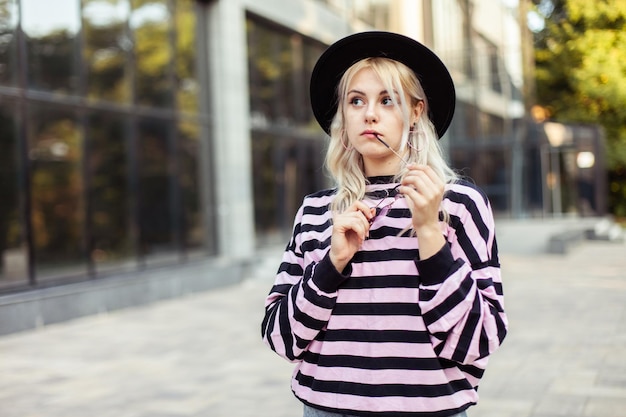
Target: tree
x=580, y=58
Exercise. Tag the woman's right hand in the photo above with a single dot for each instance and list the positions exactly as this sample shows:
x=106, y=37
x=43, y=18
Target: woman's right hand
x=350, y=229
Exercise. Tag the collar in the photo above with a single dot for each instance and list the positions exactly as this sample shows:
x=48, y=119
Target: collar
x=382, y=192
x=381, y=179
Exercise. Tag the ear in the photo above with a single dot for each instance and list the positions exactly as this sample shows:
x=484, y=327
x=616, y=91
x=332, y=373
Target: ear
x=417, y=111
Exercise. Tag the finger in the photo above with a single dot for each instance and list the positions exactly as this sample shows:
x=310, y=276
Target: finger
x=361, y=207
x=419, y=183
x=425, y=183
x=428, y=172
x=358, y=228
x=413, y=196
x=422, y=193
x=355, y=221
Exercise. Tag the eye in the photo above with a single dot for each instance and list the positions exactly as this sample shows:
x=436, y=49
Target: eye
x=387, y=101
x=356, y=101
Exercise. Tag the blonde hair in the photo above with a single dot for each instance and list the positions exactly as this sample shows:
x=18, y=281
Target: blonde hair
x=346, y=164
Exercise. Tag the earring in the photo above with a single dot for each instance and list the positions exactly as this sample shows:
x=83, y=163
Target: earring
x=412, y=132
x=414, y=136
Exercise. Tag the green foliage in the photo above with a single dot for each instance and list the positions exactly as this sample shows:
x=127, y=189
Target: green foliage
x=580, y=59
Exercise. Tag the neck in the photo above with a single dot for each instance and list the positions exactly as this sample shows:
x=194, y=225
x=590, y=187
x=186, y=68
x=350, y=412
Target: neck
x=380, y=168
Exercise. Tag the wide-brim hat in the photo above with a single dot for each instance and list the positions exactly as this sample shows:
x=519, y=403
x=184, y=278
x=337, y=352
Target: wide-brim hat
x=338, y=57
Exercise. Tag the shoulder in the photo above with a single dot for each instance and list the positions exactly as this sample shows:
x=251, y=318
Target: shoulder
x=467, y=204
x=318, y=202
x=466, y=193
x=328, y=192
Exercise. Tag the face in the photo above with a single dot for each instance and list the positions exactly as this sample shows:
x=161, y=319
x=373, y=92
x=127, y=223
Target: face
x=369, y=111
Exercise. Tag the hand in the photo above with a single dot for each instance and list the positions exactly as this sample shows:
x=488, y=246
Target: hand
x=350, y=229
x=424, y=190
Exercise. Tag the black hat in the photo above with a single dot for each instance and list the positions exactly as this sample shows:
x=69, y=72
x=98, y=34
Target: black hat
x=431, y=72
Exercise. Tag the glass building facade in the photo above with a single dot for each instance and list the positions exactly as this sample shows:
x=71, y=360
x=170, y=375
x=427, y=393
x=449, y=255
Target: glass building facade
x=116, y=157
x=101, y=128
x=287, y=145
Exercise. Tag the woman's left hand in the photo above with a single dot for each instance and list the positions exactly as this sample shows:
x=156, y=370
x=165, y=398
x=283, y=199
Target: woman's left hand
x=424, y=190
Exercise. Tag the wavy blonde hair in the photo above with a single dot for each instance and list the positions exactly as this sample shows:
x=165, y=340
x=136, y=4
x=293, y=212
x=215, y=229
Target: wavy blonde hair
x=346, y=165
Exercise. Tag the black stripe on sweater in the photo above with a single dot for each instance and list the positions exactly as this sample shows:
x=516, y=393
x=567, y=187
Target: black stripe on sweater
x=452, y=301
x=384, y=390
x=467, y=335
x=376, y=363
x=391, y=254
x=465, y=242
x=374, y=336
x=377, y=309
x=387, y=281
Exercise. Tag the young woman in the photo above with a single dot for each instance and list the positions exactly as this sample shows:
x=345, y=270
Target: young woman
x=389, y=297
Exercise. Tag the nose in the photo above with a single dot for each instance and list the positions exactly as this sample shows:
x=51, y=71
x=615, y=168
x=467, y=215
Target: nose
x=371, y=116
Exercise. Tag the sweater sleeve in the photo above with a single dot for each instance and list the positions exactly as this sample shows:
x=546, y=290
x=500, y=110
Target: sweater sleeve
x=461, y=296
x=301, y=300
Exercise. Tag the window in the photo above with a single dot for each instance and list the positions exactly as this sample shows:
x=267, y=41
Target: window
x=150, y=22
x=107, y=50
x=55, y=151
x=110, y=196
x=8, y=42
x=287, y=144
x=101, y=138
x=13, y=254
x=53, y=50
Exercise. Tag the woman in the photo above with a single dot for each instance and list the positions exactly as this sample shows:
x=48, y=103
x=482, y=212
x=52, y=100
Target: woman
x=388, y=298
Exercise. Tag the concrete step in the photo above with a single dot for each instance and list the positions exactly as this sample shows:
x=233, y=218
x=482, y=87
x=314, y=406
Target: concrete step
x=605, y=229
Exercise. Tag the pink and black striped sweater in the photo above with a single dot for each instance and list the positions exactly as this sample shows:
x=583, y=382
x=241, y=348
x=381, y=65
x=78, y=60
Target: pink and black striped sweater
x=391, y=335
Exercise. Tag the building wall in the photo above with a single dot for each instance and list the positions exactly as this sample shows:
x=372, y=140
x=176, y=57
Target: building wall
x=230, y=103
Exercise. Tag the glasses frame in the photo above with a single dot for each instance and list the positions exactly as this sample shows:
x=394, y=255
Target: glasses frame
x=382, y=211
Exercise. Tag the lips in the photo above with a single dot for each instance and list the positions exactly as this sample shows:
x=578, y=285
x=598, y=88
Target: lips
x=371, y=133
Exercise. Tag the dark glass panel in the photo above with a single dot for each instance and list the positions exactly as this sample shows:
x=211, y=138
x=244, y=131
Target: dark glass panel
x=55, y=152
x=13, y=256
x=151, y=23
x=312, y=52
x=271, y=64
x=286, y=169
x=287, y=160
x=495, y=82
x=110, y=196
x=52, y=45
x=188, y=86
x=265, y=190
x=8, y=42
x=157, y=206
x=189, y=182
x=107, y=49
x=487, y=168
x=280, y=66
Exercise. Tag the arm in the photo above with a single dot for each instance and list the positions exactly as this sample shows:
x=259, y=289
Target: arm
x=461, y=297
x=301, y=301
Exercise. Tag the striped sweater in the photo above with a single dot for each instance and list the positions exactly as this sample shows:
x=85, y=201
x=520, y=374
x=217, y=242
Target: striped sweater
x=391, y=335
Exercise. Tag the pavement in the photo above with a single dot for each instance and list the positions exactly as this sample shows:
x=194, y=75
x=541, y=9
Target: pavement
x=201, y=355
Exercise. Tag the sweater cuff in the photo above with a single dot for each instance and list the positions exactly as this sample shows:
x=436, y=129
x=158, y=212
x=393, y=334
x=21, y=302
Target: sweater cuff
x=326, y=276
x=435, y=269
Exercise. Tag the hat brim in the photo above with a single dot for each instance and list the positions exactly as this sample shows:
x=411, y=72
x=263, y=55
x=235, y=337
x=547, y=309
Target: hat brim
x=338, y=57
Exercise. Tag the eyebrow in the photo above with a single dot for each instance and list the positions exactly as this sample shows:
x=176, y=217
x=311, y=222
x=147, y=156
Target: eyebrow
x=382, y=93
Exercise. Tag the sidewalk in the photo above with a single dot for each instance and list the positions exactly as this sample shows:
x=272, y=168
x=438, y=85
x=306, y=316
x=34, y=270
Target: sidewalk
x=202, y=355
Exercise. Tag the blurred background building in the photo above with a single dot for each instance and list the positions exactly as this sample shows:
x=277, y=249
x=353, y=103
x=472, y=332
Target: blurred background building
x=151, y=148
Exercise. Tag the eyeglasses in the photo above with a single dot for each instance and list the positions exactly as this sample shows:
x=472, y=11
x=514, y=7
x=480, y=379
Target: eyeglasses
x=392, y=150
x=382, y=211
